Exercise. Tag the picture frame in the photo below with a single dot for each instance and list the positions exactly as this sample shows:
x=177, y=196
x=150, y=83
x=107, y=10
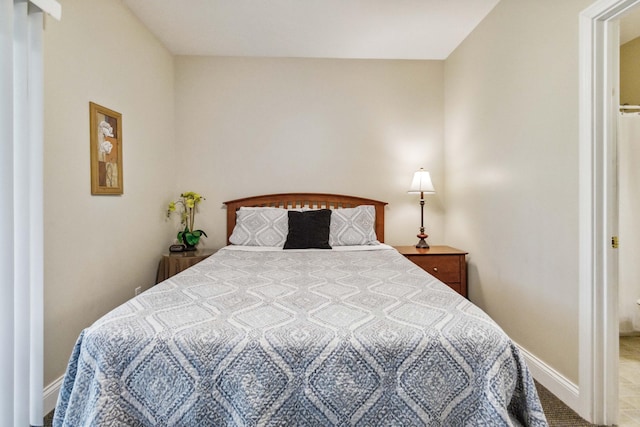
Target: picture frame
x=105, y=126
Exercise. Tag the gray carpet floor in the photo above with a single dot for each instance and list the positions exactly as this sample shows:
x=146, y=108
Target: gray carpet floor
x=48, y=419
x=558, y=414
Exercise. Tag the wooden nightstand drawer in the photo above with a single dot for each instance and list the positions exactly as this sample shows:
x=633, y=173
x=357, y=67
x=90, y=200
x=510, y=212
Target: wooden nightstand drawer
x=444, y=267
x=447, y=264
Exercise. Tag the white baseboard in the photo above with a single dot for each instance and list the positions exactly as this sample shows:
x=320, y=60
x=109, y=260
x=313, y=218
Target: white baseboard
x=552, y=380
x=50, y=395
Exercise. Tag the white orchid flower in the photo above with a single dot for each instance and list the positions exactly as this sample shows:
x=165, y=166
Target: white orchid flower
x=105, y=128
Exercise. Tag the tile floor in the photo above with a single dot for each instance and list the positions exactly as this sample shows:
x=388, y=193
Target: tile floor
x=629, y=383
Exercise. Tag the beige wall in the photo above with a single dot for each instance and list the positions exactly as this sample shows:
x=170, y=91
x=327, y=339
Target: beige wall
x=99, y=248
x=630, y=72
x=512, y=172
x=250, y=126
x=233, y=127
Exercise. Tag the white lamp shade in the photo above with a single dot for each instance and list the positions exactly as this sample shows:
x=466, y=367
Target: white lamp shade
x=421, y=182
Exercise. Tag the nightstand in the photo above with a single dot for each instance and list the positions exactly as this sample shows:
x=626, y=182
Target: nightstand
x=445, y=263
x=173, y=263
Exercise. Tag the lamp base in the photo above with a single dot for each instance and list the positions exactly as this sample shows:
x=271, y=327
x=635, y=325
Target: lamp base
x=422, y=244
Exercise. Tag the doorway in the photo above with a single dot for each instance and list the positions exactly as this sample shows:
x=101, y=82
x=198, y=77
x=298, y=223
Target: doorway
x=599, y=104
x=629, y=227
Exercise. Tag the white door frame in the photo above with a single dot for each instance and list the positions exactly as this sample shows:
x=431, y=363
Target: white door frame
x=599, y=102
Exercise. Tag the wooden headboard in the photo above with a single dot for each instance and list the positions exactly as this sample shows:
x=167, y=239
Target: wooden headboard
x=310, y=200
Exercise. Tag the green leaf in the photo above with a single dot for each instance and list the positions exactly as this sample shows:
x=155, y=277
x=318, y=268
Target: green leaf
x=192, y=239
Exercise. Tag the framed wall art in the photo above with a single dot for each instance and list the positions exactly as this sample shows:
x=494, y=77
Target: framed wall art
x=106, y=150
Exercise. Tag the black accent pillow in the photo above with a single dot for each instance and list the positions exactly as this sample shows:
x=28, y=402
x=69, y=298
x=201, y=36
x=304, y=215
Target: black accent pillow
x=308, y=229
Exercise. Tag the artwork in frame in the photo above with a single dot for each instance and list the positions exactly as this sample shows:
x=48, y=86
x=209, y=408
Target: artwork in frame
x=106, y=150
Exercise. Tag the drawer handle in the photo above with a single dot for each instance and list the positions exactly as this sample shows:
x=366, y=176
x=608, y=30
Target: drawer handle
x=435, y=268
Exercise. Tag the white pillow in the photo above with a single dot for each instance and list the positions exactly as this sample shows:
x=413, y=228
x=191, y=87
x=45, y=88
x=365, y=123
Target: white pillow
x=262, y=226
x=353, y=226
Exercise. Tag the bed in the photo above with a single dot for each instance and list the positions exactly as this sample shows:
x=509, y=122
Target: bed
x=256, y=335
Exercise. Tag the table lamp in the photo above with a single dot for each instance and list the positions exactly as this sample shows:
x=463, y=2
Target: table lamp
x=422, y=184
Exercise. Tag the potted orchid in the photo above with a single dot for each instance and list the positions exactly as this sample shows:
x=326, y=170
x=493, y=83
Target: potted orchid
x=187, y=205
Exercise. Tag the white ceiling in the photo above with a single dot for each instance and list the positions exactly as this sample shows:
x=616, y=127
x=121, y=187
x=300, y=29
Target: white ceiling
x=385, y=29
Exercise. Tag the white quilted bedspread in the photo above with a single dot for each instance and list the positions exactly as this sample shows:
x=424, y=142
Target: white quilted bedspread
x=298, y=338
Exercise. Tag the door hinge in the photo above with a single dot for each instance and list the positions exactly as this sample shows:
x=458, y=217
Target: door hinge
x=614, y=242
